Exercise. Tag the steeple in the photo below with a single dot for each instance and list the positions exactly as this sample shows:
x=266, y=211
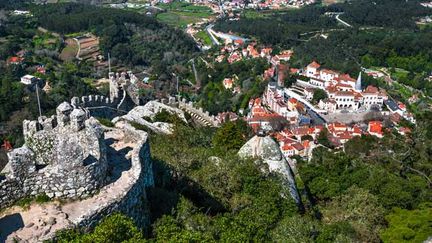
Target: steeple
x=358, y=85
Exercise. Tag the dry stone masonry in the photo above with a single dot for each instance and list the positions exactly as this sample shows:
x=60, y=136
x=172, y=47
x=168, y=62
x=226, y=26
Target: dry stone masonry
x=93, y=170
x=70, y=156
x=123, y=97
x=64, y=156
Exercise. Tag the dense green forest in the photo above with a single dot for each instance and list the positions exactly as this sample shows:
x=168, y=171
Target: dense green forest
x=215, y=98
x=130, y=37
x=205, y=192
x=282, y=29
x=384, y=35
x=383, y=13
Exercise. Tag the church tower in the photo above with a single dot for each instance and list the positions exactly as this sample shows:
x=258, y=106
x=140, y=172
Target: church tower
x=358, y=85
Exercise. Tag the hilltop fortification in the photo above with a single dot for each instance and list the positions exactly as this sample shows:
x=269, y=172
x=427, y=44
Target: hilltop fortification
x=64, y=156
x=70, y=156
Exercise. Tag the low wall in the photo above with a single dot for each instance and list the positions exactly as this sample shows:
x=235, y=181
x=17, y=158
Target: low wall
x=79, y=183
x=191, y=109
x=59, y=162
x=132, y=199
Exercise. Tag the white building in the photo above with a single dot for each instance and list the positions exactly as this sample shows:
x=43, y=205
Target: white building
x=28, y=79
x=372, y=96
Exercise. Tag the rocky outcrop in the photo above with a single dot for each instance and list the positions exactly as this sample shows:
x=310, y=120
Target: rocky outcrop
x=268, y=150
x=142, y=115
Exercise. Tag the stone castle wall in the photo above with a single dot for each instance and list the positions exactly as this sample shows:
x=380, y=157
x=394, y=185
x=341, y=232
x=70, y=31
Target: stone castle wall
x=81, y=183
x=132, y=200
x=123, y=97
x=189, y=107
x=63, y=157
x=126, y=195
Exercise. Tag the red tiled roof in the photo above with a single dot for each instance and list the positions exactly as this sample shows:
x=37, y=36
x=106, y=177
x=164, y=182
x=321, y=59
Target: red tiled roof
x=292, y=100
x=287, y=147
x=375, y=127
x=298, y=146
x=344, y=135
x=346, y=77
x=343, y=85
x=314, y=64
x=294, y=70
x=370, y=90
x=329, y=71
x=344, y=93
x=15, y=59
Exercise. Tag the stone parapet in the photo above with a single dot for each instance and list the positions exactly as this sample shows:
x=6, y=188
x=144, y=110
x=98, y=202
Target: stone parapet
x=63, y=157
x=131, y=199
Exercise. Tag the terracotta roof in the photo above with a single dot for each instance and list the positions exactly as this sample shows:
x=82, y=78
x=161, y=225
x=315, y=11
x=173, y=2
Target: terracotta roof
x=344, y=93
x=344, y=135
x=343, y=85
x=346, y=77
x=239, y=41
x=298, y=146
x=15, y=59
x=370, y=90
x=375, y=127
x=329, y=71
x=292, y=100
x=300, y=131
x=287, y=147
x=294, y=70
x=314, y=64
x=7, y=145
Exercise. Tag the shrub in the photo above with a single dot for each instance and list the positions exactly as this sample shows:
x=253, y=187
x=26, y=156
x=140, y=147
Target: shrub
x=42, y=198
x=105, y=122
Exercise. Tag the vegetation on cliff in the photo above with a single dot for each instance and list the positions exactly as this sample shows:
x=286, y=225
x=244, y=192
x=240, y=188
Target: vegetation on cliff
x=205, y=192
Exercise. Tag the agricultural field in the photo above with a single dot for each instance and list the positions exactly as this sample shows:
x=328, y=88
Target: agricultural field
x=329, y=2
x=181, y=14
x=258, y=14
x=70, y=51
x=202, y=35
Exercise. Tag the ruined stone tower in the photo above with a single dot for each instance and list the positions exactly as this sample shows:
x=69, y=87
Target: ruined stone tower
x=64, y=156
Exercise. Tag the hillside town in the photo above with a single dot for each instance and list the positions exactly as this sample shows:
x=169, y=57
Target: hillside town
x=291, y=115
x=215, y=121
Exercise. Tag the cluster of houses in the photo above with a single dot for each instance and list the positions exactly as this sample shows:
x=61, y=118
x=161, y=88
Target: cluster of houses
x=235, y=5
x=343, y=91
x=19, y=59
x=301, y=140
x=297, y=139
x=287, y=117
x=236, y=50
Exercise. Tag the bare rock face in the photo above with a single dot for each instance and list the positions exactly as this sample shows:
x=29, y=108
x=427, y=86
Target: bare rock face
x=268, y=150
x=153, y=107
x=150, y=110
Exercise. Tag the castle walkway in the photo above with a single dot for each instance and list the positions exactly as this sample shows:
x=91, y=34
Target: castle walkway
x=42, y=221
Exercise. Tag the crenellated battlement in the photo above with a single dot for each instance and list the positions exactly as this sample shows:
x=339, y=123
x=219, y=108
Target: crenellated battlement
x=67, y=115
x=93, y=101
x=64, y=156
x=190, y=108
x=122, y=98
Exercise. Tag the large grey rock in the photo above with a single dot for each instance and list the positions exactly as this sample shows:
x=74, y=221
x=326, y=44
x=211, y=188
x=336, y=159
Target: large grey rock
x=150, y=110
x=268, y=150
x=153, y=107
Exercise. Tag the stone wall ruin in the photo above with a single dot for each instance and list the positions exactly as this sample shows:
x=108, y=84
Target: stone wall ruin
x=64, y=156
